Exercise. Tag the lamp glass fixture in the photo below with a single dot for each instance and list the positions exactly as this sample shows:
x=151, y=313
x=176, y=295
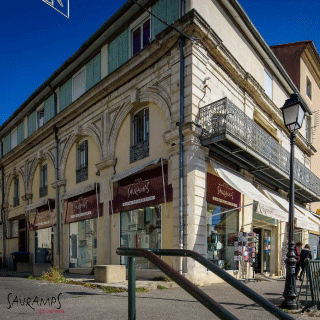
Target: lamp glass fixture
x=293, y=113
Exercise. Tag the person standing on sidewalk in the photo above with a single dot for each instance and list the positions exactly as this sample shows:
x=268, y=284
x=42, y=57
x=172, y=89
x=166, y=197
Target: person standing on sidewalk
x=305, y=254
x=297, y=250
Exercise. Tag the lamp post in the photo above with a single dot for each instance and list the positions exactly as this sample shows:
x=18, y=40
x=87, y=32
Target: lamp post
x=293, y=114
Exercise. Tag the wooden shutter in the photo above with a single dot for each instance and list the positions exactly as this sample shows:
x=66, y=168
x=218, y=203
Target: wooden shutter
x=166, y=10
x=65, y=97
x=32, y=123
x=20, y=132
x=7, y=143
x=118, y=51
x=49, y=109
x=93, y=71
x=79, y=85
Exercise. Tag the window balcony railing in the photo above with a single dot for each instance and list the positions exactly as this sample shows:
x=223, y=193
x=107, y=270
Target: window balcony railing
x=82, y=174
x=139, y=151
x=43, y=191
x=222, y=120
x=16, y=201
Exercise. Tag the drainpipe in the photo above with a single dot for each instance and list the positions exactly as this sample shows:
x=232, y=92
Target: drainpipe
x=57, y=202
x=181, y=178
x=4, y=235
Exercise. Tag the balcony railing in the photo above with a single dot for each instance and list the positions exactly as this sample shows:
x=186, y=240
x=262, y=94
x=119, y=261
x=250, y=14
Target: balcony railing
x=139, y=151
x=43, y=191
x=82, y=174
x=223, y=118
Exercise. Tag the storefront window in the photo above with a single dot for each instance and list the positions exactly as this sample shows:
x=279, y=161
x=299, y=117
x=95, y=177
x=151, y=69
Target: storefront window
x=141, y=228
x=220, y=230
x=44, y=245
x=83, y=244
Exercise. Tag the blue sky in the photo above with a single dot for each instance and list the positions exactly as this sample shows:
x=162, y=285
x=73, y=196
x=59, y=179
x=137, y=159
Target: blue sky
x=36, y=40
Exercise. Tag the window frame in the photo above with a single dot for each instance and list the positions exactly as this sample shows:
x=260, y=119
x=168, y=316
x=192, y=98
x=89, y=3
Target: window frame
x=16, y=193
x=43, y=189
x=134, y=26
x=267, y=73
x=308, y=88
x=74, y=97
x=82, y=169
x=40, y=111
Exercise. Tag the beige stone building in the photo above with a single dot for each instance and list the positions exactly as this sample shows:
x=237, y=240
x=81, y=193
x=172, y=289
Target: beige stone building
x=93, y=160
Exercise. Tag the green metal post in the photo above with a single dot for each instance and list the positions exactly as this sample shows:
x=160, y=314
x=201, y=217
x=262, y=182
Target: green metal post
x=131, y=288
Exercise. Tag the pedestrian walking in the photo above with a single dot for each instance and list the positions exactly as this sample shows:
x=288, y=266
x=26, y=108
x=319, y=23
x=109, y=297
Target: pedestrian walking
x=297, y=250
x=305, y=254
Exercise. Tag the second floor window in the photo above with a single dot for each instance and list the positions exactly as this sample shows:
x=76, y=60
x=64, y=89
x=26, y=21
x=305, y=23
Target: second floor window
x=140, y=140
x=14, y=138
x=82, y=163
x=268, y=83
x=16, y=193
x=43, y=191
x=141, y=36
x=308, y=89
x=40, y=118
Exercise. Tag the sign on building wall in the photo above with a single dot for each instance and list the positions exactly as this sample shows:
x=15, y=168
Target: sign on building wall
x=42, y=217
x=219, y=192
x=82, y=207
x=142, y=190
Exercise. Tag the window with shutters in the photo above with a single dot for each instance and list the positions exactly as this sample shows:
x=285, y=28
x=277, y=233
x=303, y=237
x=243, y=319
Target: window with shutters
x=43, y=190
x=82, y=162
x=140, y=136
x=140, y=34
x=40, y=118
x=78, y=84
x=16, y=201
x=14, y=138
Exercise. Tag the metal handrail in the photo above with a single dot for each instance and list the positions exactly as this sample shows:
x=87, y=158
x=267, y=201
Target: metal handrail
x=188, y=286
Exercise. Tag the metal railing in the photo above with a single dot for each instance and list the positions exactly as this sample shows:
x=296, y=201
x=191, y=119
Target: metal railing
x=312, y=276
x=188, y=286
x=82, y=174
x=43, y=191
x=223, y=117
x=139, y=151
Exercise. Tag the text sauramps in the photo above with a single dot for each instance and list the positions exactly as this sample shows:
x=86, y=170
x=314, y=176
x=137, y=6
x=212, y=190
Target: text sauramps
x=33, y=302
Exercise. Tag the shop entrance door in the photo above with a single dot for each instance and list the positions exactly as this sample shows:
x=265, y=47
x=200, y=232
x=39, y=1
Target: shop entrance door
x=257, y=264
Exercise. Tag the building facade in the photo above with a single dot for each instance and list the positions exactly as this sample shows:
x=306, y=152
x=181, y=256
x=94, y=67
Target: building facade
x=158, y=135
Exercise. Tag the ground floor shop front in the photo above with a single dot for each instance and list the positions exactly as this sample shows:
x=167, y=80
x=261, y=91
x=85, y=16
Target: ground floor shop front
x=241, y=226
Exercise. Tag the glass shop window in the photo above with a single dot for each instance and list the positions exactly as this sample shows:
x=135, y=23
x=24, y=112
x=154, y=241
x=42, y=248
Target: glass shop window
x=220, y=231
x=141, y=228
x=83, y=244
x=44, y=245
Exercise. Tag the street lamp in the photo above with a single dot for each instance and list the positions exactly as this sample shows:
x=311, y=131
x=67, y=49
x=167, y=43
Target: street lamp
x=293, y=113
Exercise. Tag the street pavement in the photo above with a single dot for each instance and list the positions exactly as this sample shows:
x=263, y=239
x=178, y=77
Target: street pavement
x=78, y=302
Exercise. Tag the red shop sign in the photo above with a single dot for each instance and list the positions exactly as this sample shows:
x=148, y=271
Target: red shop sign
x=43, y=217
x=82, y=207
x=141, y=190
x=219, y=192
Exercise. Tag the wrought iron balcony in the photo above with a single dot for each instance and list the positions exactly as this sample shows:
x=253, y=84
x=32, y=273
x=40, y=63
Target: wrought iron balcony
x=43, y=191
x=16, y=201
x=82, y=174
x=139, y=151
x=231, y=134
